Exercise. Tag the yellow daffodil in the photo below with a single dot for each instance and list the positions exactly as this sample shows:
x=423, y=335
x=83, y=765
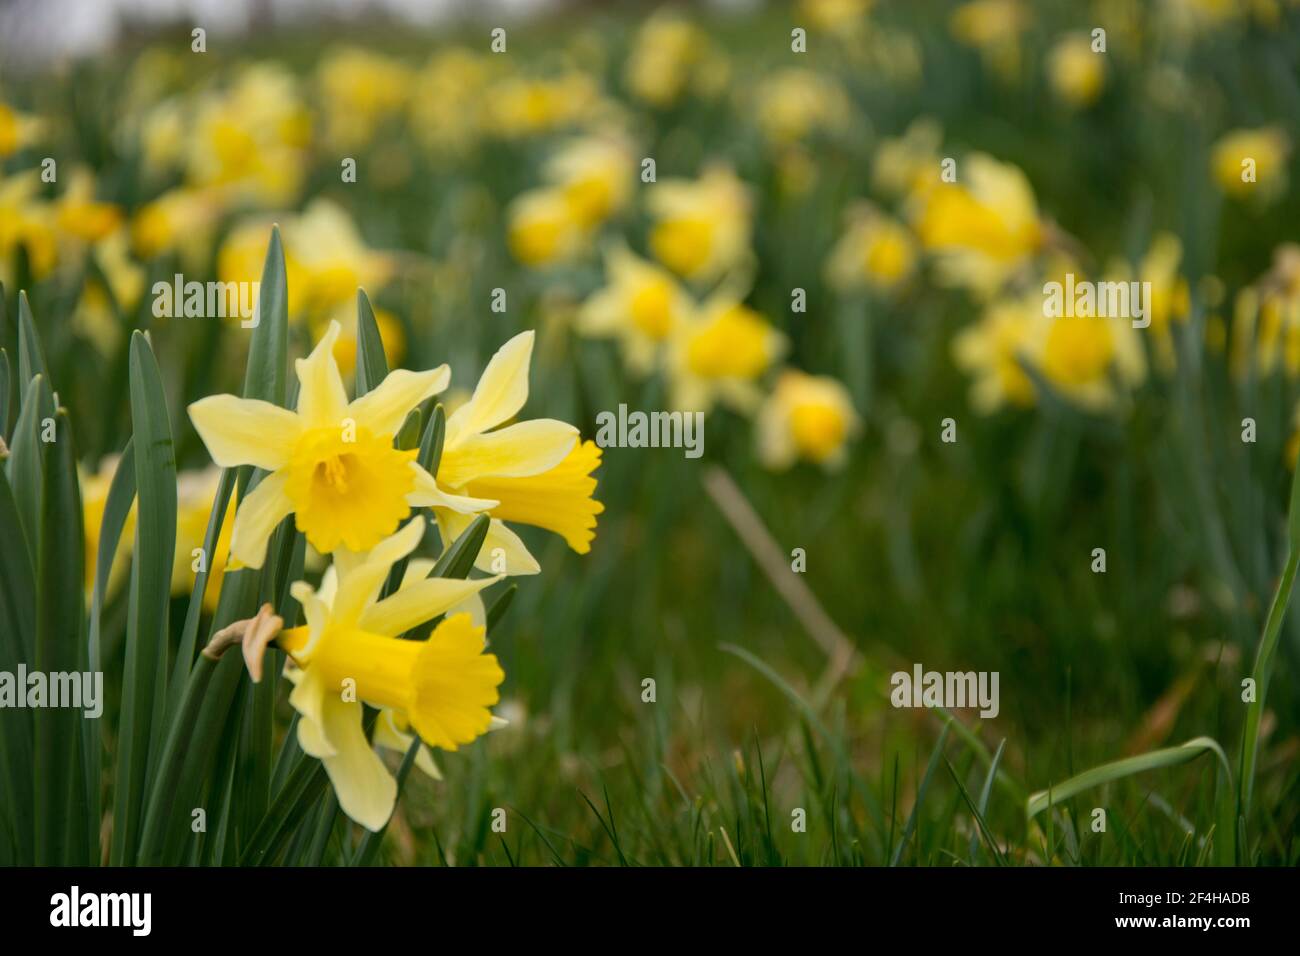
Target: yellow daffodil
x=79, y=215
x=908, y=163
x=1169, y=299
x=195, y=491
x=702, y=226
x=333, y=258
x=331, y=463
x=325, y=261
x=447, y=103
x=1266, y=321
x=249, y=142
x=26, y=221
x=1090, y=360
x=1252, y=163
x=720, y=355
x=17, y=130
x=795, y=103
x=94, y=499
x=642, y=306
x=350, y=652
x=993, y=350
x=1076, y=73
x=519, y=106
x=993, y=27
x=538, y=466
x=875, y=252
x=542, y=229
x=123, y=281
x=360, y=90
x=843, y=18
x=670, y=57
x=806, y=416
x=595, y=176
x=180, y=219
x=983, y=227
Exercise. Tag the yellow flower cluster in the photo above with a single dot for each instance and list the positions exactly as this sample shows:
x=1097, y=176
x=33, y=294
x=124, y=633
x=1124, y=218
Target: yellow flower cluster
x=332, y=465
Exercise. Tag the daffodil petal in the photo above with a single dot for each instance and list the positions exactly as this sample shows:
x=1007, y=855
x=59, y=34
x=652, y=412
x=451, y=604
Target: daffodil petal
x=387, y=735
x=360, y=586
x=516, y=451
x=384, y=409
x=322, y=400
x=502, y=551
x=503, y=544
x=417, y=569
x=245, y=431
x=257, y=516
x=308, y=698
x=473, y=606
x=500, y=393
x=314, y=608
x=427, y=494
x=419, y=602
x=365, y=789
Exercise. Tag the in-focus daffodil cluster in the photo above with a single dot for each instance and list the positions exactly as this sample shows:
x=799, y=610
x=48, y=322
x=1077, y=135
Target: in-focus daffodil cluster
x=332, y=466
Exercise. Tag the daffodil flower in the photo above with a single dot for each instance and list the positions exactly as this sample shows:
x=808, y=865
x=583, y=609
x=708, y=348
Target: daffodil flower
x=350, y=652
x=642, y=306
x=331, y=463
x=538, y=466
x=720, y=355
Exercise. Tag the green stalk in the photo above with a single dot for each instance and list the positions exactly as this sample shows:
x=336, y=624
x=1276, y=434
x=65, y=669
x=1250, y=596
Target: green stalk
x=1261, y=673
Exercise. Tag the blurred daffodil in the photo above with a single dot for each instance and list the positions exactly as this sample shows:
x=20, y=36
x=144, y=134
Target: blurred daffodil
x=793, y=104
x=595, y=176
x=17, y=130
x=82, y=217
x=806, y=416
x=876, y=252
x=993, y=351
x=1266, y=319
x=983, y=227
x=1076, y=73
x=1169, y=300
x=910, y=162
x=195, y=492
x=720, y=355
x=542, y=229
x=26, y=222
x=702, y=226
x=248, y=142
x=360, y=90
x=641, y=305
x=993, y=27
x=670, y=58
x=331, y=463
x=1252, y=163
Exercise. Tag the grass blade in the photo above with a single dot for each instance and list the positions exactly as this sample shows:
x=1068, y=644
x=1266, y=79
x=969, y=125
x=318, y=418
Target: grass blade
x=935, y=756
x=372, y=364
x=144, y=684
x=60, y=791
